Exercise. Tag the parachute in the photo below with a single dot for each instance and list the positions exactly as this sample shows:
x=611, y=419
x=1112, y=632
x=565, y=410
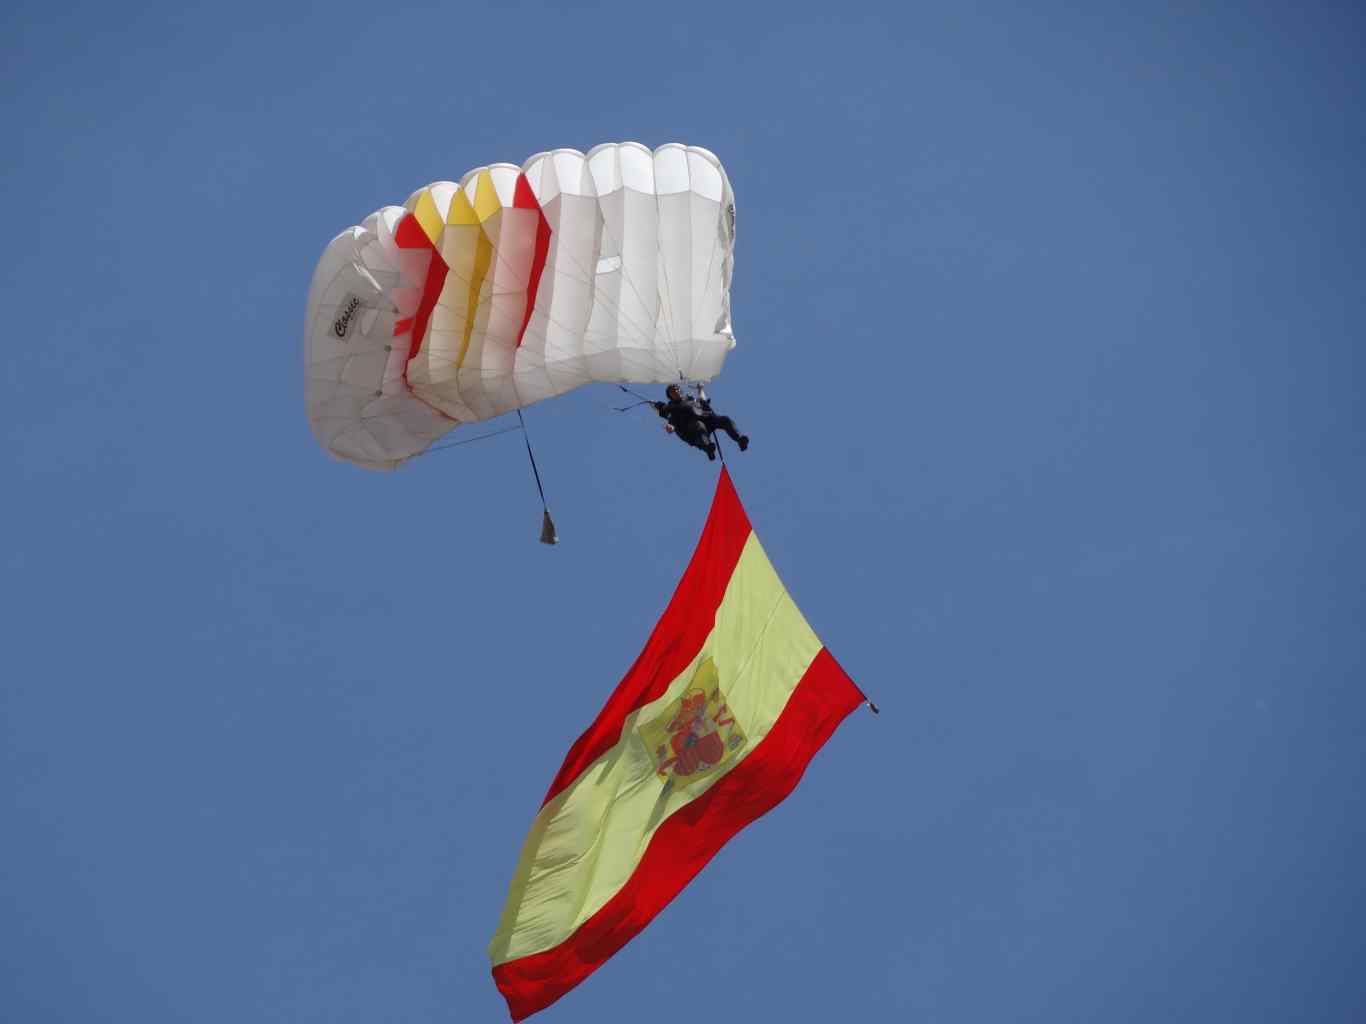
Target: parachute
x=516, y=285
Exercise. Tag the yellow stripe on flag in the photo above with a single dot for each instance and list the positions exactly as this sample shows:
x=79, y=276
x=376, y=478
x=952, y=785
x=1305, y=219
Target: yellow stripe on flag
x=587, y=841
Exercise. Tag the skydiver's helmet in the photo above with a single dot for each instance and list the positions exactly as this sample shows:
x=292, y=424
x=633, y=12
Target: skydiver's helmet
x=674, y=393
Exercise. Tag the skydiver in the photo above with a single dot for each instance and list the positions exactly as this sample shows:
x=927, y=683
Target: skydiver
x=714, y=421
x=694, y=420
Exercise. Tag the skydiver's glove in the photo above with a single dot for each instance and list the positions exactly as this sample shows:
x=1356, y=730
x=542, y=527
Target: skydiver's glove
x=659, y=407
x=668, y=428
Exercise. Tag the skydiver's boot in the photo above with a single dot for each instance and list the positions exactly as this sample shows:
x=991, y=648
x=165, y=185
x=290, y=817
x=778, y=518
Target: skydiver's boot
x=743, y=442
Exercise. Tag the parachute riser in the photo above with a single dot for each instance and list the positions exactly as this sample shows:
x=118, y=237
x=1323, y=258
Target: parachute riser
x=548, y=534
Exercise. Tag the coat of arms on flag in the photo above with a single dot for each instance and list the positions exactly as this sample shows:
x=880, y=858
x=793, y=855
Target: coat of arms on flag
x=696, y=734
x=711, y=727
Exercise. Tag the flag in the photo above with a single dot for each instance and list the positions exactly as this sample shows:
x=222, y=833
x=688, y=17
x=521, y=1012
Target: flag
x=710, y=728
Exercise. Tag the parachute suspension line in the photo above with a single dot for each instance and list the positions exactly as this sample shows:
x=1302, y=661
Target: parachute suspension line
x=633, y=405
x=469, y=440
x=548, y=534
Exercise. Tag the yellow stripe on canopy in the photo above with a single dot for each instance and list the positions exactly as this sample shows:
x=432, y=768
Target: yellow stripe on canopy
x=428, y=216
x=486, y=201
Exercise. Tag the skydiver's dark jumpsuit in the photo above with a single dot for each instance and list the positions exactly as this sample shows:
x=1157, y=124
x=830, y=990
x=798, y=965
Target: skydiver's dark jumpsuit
x=686, y=419
x=694, y=420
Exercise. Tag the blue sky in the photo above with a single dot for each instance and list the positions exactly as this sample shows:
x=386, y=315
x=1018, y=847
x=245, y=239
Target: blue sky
x=1050, y=329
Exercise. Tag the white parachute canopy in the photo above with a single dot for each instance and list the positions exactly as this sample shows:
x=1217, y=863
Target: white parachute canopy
x=516, y=285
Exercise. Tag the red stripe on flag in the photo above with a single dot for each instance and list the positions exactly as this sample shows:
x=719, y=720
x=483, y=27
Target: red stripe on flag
x=678, y=635
x=688, y=839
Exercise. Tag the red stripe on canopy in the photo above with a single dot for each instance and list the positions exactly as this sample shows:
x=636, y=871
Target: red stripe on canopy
x=524, y=199
x=409, y=235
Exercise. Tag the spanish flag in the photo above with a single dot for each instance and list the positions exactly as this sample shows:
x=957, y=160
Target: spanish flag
x=712, y=726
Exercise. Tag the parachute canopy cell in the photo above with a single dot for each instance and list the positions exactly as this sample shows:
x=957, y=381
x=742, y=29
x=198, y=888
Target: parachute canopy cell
x=515, y=285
